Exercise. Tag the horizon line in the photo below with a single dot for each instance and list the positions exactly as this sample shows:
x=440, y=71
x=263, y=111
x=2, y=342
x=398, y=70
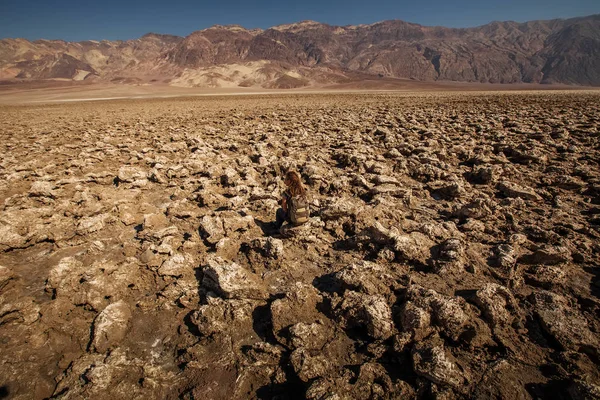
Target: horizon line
x=298, y=22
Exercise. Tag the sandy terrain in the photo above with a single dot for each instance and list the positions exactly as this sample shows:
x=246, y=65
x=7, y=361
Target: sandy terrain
x=59, y=91
x=452, y=251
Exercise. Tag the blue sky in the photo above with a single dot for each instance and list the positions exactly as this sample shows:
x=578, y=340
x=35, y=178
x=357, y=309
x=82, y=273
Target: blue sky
x=110, y=19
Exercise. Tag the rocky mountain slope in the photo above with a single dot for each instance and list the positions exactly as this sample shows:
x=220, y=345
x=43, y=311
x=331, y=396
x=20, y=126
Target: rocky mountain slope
x=46, y=59
x=305, y=53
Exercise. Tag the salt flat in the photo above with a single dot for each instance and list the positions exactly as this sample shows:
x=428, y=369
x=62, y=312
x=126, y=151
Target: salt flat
x=453, y=247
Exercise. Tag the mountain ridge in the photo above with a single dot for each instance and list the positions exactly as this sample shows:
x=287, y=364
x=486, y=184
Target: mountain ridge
x=305, y=53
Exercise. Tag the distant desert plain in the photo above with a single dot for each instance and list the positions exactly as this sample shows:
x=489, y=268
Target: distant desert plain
x=58, y=91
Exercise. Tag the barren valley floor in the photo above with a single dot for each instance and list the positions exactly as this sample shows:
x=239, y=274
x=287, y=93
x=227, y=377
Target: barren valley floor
x=453, y=248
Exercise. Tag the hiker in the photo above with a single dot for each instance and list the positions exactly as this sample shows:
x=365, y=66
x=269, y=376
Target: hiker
x=294, y=204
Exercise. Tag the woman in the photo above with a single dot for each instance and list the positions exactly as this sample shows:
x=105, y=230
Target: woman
x=294, y=205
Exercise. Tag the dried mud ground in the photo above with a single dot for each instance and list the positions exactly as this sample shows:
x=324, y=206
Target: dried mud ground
x=453, y=249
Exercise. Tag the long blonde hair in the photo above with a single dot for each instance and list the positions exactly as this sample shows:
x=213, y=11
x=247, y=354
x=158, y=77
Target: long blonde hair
x=292, y=181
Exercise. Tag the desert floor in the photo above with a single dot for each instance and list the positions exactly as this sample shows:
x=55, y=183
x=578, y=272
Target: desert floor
x=61, y=91
x=452, y=252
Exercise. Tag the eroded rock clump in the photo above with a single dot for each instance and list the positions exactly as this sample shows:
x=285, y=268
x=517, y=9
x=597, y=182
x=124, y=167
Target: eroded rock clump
x=452, y=250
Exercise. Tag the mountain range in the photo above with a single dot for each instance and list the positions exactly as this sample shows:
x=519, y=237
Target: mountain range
x=565, y=51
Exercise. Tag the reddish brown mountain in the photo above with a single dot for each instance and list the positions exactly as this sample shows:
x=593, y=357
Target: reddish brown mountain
x=305, y=53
